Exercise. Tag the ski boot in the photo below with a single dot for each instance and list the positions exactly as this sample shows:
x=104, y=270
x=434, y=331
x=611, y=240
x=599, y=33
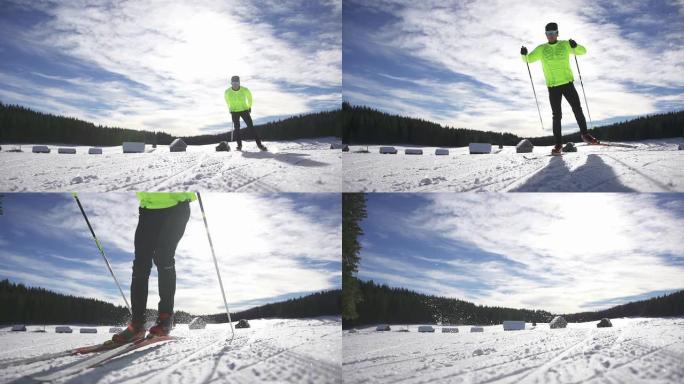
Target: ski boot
x=589, y=139
x=556, y=151
x=238, y=148
x=163, y=326
x=262, y=148
x=134, y=332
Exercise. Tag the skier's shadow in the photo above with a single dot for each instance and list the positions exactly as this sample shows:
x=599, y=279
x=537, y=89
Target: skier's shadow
x=593, y=176
x=285, y=157
x=94, y=375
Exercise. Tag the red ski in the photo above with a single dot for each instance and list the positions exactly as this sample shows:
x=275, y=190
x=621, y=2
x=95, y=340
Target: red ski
x=107, y=345
x=102, y=358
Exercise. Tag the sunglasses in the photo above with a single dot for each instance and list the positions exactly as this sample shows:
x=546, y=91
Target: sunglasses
x=551, y=33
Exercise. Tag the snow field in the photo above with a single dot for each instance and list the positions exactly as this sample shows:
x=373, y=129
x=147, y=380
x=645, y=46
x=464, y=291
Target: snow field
x=653, y=166
x=281, y=350
x=296, y=166
x=633, y=350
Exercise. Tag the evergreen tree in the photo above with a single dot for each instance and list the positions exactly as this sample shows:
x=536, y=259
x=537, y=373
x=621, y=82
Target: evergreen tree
x=353, y=211
x=363, y=125
x=23, y=125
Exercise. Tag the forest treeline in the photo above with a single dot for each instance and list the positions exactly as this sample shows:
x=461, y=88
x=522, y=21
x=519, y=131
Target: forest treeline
x=20, y=304
x=22, y=125
x=384, y=304
x=661, y=306
x=364, y=125
x=325, y=303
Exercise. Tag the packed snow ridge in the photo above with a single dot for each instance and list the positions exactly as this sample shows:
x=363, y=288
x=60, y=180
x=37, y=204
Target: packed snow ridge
x=633, y=350
x=294, y=166
x=274, y=350
x=648, y=166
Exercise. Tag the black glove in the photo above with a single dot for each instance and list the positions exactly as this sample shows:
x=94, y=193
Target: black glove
x=249, y=110
x=523, y=50
x=573, y=43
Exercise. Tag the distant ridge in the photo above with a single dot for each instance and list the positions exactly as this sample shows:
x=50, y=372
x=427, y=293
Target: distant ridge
x=384, y=304
x=365, y=125
x=23, y=125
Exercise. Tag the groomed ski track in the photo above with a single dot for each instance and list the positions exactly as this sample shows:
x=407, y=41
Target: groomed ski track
x=297, y=166
x=650, y=167
x=292, y=351
x=633, y=351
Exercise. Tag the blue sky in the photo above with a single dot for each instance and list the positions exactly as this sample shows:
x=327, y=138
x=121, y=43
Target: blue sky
x=458, y=63
x=165, y=66
x=269, y=247
x=558, y=252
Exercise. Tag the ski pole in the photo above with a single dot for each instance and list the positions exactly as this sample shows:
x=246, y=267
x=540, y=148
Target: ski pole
x=535, y=94
x=583, y=93
x=213, y=255
x=99, y=246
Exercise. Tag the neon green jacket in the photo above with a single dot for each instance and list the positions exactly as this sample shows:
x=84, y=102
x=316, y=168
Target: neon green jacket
x=160, y=200
x=555, y=60
x=238, y=101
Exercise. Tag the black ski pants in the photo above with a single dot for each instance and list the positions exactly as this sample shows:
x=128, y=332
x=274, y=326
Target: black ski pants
x=236, y=127
x=555, y=97
x=156, y=238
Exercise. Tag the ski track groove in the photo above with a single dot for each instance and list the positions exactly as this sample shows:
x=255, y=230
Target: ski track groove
x=163, y=376
x=333, y=371
x=636, y=171
x=196, y=162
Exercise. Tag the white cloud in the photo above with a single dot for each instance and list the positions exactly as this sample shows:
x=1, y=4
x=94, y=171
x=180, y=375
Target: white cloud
x=176, y=59
x=266, y=246
x=558, y=252
x=481, y=40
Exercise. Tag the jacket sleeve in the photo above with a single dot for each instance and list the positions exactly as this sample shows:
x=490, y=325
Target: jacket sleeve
x=249, y=98
x=578, y=50
x=226, y=98
x=533, y=56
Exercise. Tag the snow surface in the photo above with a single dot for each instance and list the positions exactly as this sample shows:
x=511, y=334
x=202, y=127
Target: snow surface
x=653, y=166
x=291, y=351
x=634, y=350
x=293, y=166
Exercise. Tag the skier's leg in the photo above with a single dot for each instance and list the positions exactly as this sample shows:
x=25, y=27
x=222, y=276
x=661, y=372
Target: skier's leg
x=555, y=97
x=248, y=120
x=145, y=239
x=236, y=128
x=173, y=228
x=571, y=95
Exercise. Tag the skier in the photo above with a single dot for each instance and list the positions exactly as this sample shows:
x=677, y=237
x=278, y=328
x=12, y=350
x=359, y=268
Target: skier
x=239, y=100
x=555, y=57
x=161, y=224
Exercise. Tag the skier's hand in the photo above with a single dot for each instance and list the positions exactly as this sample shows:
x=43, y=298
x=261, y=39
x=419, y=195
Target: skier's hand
x=249, y=110
x=523, y=50
x=573, y=43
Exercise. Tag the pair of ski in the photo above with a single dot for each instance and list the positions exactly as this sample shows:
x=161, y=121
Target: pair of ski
x=586, y=144
x=108, y=351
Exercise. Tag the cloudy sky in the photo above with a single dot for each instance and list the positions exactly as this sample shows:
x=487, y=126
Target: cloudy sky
x=269, y=247
x=558, y=252
x=458, y=62
x=162, y=65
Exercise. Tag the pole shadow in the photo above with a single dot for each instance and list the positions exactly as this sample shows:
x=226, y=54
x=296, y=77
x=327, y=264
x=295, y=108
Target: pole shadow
x=593, y=176
x=298, y=159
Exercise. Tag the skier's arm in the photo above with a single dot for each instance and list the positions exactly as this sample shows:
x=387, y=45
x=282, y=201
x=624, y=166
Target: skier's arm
x=226, y=98
x=249, y=98
x=579, y=50
x=533, y=56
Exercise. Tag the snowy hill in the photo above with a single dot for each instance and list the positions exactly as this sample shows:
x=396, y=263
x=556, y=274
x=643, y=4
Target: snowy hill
x=651, y=166
x=307, y=165
x=290, y=351
x=633, y=350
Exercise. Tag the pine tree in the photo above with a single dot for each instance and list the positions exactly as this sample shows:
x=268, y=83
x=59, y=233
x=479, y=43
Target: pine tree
x=353, y=211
